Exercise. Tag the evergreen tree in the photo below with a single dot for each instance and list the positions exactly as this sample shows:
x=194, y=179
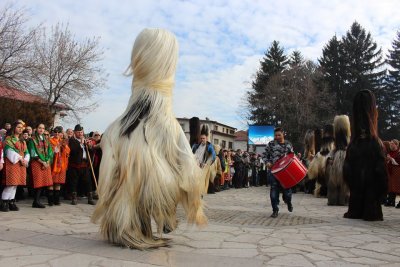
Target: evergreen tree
x=296, y=59
x=362, y=68
x=274, y=61
x=391, y=107
x=352, y=64
x=332, y=71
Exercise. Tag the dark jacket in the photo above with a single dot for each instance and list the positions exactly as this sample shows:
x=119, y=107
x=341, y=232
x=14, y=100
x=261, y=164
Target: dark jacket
x=221, y=159
x=76, y=154
x=238, y=161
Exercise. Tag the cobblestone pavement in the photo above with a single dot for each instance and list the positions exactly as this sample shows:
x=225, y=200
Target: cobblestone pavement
x=240, y=233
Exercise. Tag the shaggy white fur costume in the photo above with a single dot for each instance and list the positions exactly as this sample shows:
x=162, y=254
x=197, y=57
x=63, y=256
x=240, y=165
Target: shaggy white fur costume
x=147, y=166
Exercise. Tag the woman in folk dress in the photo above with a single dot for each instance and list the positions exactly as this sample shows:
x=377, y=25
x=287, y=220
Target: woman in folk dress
x=61, y=150
x=41, y=155
x=16, y=161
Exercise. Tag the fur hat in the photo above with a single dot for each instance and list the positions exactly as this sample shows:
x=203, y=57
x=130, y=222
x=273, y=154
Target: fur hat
x=78, y=127
x=204, y=130
x=58, y=129
x=194, y=130
x=341, y=125
x=327, y=131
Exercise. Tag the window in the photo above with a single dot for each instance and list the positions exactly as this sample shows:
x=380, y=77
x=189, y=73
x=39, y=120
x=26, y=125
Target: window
x=226, y=130
x=216, y=127
x=216, y=141
x=223, y=129
x=230, y=146
x=183, y=126
x=232, y=132
x=223, y=144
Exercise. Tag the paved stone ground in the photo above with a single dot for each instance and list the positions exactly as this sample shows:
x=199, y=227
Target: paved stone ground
x=240, y=233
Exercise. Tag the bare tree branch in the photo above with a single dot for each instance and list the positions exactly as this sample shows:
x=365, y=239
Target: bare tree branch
x=67, y=72
x=15, y=47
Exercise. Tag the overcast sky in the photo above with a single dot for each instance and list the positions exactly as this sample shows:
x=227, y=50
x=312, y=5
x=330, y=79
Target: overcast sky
x=221, y=43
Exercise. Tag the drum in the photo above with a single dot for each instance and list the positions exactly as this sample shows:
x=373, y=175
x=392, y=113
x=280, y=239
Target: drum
x=289, y=171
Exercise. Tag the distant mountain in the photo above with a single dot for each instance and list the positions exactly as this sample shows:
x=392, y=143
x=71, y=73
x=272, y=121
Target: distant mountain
x=263, y=140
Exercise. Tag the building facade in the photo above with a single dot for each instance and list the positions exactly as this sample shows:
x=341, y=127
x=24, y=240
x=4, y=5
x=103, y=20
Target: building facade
x=240, y=141
x=220, y=134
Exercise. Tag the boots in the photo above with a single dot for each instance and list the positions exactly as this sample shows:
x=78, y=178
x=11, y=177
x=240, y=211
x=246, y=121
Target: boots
x=36, y=201
x=4, y=206
x=13, y=206
x=50, y=197
x=390, y=200
x=90, y=200
x=95, y=195
x=57, y=197
x=74, y=199
x=289, y=206
x=274, y=214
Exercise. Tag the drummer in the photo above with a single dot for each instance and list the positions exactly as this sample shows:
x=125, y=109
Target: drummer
x=275, y=150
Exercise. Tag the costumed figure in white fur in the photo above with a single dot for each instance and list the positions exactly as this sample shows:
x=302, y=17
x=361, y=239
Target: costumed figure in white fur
x=308, y=155
x=317, y=168
x=309, y=147
x=205, y=155
x=338, y=192
x=148, y=166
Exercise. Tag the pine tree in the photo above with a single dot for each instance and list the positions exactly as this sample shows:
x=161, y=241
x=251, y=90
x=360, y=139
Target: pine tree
x=362, y=68
x=274, y=61
x=391, y=106
x=331, y=64
x=296, y=58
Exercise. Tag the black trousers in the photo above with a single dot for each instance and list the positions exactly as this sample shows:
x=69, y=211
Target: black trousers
x=80, y=176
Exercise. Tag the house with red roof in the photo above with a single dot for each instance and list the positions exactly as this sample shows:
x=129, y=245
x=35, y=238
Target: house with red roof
x=15, y=103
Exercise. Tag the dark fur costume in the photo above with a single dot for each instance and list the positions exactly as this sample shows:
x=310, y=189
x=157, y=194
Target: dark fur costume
x=338, y=191
x=194, y=130
x=364, y=172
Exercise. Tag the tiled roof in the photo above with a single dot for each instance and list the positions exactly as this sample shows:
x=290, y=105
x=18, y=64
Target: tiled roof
x=241, y=136
x=13, y=93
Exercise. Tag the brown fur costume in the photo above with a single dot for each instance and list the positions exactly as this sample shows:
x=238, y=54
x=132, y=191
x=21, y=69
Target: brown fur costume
x=317, y=168
x=338, y=192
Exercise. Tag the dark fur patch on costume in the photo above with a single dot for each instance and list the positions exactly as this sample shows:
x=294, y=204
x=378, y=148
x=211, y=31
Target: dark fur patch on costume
x=139, y=111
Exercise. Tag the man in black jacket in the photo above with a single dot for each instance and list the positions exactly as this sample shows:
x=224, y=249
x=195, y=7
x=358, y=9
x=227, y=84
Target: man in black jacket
x=238, y=165
x=78, y=165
